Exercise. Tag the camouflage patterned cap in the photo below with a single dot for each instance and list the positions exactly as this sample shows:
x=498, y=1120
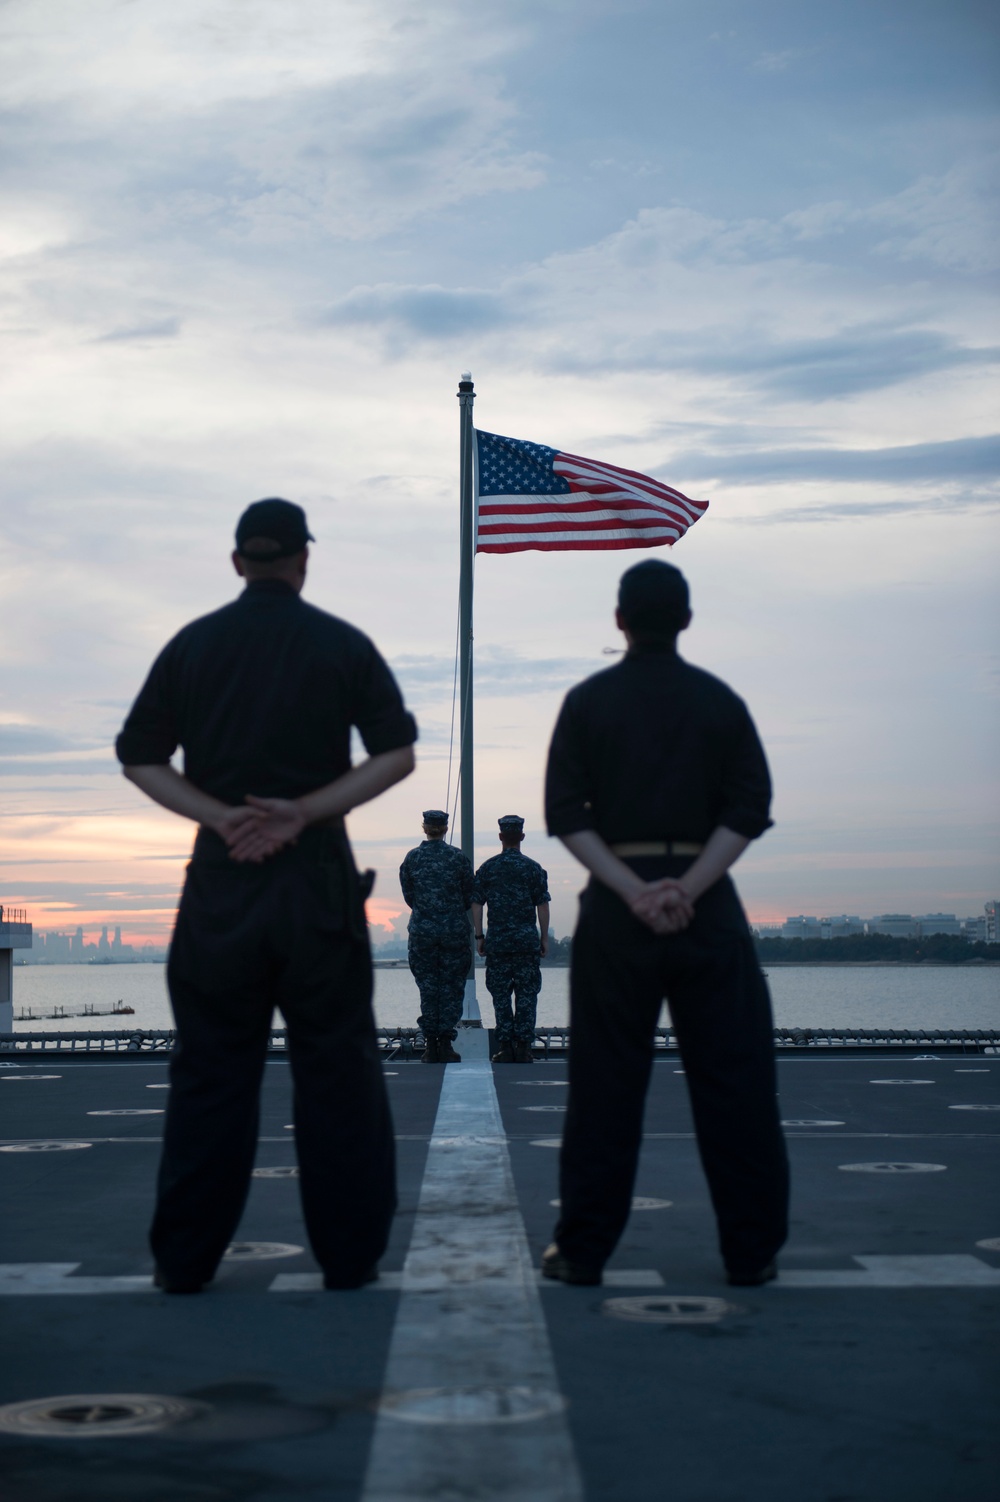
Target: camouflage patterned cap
x=510, y=822
x=434, y=816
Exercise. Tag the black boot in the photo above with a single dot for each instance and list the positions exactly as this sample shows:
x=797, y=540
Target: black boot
x=430, y=1053
x=522, y=1052
x=503, y=1055
x=446, y=1053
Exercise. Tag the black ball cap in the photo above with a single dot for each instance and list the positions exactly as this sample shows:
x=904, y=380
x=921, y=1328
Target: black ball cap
x=272, y=521
x=654, y=596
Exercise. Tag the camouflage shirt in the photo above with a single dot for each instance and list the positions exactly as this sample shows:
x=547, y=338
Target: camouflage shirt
x=510, y=887
x=436, y=879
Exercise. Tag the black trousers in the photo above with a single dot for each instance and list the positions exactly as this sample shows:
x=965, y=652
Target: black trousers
x=288, y=934
x=721, y=1014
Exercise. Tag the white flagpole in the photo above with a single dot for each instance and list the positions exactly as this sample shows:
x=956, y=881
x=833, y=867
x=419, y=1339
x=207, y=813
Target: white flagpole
x=467, y=534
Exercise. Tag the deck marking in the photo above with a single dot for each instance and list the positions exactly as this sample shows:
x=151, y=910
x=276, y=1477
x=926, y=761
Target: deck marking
x=812, y=1123
x=639, y=1202
x=991, y=1244
x=615, y=1277
x=479, y=1342
x=974, y=1108
x=902, y=1082
x=54, y=1277
x=892, y=1167
x=955, y=1271
x=23, y=1078
x=275, y=1173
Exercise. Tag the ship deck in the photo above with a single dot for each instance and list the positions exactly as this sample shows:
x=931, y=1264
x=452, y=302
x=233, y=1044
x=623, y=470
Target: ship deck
x=867, y=1373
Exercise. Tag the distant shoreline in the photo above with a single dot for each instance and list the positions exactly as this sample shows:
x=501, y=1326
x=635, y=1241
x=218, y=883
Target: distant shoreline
x=975, y=964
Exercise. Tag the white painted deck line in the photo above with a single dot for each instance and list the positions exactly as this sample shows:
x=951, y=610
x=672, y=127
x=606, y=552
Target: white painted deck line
x=954, y=1271
x=470, y=1318
x=54, y=1277
x=621, y=1277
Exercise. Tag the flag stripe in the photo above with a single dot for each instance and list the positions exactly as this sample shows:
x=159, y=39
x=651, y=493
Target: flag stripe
x=594, y=519
x=578, y=499
x=583, y=511
x=561, y=545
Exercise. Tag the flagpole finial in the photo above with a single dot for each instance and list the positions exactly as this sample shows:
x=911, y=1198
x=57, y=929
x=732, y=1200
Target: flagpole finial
x=465, y=386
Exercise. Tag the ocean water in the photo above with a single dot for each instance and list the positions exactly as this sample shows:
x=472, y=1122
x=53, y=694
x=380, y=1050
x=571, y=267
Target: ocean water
x=804, y=996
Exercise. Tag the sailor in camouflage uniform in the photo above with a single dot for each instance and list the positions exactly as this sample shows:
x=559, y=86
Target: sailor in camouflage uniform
x=436, y=880
x=512, y=887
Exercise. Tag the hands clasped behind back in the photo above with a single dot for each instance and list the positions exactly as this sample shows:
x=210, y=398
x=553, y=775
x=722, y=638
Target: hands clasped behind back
x=664, y=906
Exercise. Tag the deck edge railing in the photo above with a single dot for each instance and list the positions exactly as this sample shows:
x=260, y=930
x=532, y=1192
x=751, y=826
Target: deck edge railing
x=550, y=1042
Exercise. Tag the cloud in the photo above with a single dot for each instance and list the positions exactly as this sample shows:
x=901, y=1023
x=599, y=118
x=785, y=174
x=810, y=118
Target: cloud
x=27, y=739
x=677, y=291
x=13, y=767
x=804, y=370
x=432, y=311
x=950, y=220
x=914, y=464
x=161, y=328
x=499, y=673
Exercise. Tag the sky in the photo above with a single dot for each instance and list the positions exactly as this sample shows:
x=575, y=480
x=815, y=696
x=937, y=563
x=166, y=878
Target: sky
x=750, y=249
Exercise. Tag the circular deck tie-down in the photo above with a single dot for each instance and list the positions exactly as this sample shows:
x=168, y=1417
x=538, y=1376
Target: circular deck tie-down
x=670, y=1309
x=260, y=1251
x=103, y=1415
x=892, y=1167
x=44, y=1147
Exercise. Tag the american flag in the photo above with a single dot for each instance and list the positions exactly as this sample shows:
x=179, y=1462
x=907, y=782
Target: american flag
x=531, y=496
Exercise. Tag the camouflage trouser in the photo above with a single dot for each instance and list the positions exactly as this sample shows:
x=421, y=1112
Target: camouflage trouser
x=439, y=968
x=521, y=974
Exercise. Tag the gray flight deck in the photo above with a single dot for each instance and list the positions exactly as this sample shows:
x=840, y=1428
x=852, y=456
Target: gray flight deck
x=867, y=1373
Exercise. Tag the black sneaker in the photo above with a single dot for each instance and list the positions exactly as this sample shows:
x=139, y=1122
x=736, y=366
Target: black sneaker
x=446, y=1053
x=522, y=1052
x=430, y=1053
x=555, y=1265
x=503, y=1055
x=166, y=1284
x=338, y=1281
x=755, y=1278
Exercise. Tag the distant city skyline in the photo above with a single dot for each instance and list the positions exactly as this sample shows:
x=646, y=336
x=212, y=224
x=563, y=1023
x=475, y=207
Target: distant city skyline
x=57, y=946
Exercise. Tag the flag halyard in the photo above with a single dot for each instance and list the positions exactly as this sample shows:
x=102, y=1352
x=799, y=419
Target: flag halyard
x=535, y=497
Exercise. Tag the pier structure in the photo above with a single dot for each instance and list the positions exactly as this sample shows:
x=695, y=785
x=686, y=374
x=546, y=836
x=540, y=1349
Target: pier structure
x=15, y=933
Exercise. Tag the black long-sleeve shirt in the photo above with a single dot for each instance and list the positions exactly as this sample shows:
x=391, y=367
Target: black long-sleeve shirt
x=262, y=695
x=655, y=749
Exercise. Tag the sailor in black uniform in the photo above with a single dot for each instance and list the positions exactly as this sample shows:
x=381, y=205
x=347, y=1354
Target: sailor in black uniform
x=657, y=782
x=262, y=695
